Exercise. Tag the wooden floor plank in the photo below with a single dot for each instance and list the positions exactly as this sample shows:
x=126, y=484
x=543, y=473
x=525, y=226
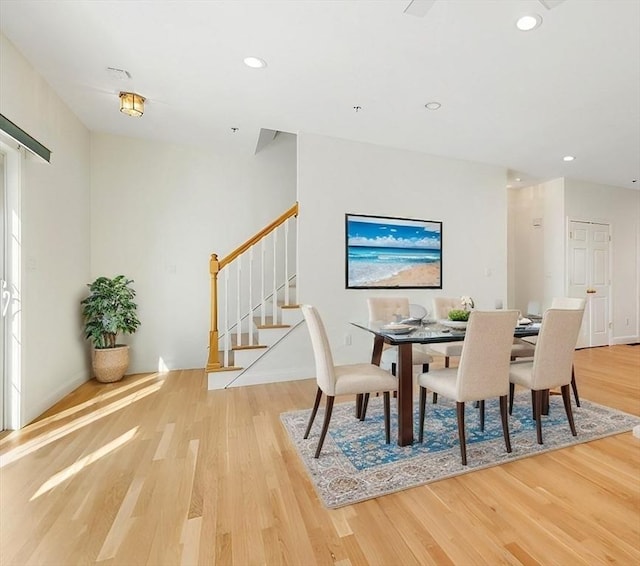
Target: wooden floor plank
x=210, y=477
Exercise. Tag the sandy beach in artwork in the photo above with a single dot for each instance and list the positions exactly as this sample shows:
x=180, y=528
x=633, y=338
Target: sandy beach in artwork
x=427, y=275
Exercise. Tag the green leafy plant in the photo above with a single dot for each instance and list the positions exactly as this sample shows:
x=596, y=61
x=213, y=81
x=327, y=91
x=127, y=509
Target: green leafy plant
x=459, y=315
x=108, y=310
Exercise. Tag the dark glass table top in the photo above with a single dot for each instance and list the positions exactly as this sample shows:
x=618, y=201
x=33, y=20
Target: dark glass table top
x=433, y=332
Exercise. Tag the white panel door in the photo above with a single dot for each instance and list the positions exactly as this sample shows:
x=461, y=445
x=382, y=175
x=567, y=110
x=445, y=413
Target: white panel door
x=589, y=278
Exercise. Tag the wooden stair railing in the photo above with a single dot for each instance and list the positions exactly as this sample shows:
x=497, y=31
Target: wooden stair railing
x=217, y=266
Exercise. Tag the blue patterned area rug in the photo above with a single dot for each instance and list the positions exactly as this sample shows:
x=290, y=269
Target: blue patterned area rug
x=356, y=464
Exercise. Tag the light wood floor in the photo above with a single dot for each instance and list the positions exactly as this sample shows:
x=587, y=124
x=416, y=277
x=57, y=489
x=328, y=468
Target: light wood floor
x=157, y=470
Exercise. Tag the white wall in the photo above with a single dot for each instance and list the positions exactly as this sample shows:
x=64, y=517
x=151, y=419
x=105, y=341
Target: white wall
x=539, y=255
x=621, y=209
x=526, y=246
x=337, y=177
x=157, y=213
x=55, y=235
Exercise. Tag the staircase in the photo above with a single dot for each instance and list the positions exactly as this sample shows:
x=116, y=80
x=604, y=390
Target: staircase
x=253, y=301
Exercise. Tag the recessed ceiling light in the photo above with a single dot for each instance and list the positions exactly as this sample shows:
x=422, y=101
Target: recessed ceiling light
x=529, y=22
x=255, y=62
x=568, y=158
x=432, y=105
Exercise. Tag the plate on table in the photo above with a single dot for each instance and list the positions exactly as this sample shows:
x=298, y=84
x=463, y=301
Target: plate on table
x=398, y=328
x=457, y=324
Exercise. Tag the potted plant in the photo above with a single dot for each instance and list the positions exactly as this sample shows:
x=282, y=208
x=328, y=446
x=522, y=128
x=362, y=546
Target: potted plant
x=462, y=315
x=108, y=310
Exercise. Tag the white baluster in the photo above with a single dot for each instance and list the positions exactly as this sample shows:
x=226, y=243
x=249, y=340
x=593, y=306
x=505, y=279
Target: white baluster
x=263, y=307
x=286, y=262
x=226, y=317
x=238, y=302
x=274, y=297
x=250, y=319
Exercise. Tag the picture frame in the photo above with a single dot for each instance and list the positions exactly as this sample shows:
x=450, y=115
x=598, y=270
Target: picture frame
x=388, y=252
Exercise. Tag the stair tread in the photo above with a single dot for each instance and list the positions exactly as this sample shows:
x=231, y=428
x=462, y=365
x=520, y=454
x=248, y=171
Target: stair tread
x=225, y=368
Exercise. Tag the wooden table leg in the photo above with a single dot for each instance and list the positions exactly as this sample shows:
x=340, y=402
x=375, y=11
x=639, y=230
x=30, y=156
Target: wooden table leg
x=405, y=395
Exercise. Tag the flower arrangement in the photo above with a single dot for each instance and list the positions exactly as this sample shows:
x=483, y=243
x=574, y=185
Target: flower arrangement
x=467, y=302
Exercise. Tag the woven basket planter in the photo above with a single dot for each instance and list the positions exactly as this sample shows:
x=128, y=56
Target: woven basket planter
x=110, y=364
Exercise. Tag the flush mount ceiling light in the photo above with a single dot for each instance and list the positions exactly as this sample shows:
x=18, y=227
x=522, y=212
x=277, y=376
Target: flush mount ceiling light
x=568, y=158
x=529, y=22
x=432, y=105
x=255, y=62
x=132, y=104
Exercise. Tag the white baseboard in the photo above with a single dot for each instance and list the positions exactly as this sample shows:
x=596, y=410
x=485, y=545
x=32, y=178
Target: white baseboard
x=625, y=340
x=50, y=398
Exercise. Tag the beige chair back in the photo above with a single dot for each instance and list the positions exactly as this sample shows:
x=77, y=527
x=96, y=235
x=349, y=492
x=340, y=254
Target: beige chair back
x=442, y=306
x=325, y=373
x=483, y=371
x=556, y=343
x=568, y=303
x=384, y=309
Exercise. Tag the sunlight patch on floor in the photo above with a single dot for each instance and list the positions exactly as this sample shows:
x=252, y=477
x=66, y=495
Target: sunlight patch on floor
x=72, y=470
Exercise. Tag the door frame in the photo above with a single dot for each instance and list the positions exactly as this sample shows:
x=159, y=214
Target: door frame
x=604, y=222
x=13, y=399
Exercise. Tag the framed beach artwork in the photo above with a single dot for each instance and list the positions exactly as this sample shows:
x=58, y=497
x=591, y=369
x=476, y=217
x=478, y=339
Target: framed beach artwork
x=386, y=252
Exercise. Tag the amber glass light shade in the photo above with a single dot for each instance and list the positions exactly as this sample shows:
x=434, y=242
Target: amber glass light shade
x=132, y=104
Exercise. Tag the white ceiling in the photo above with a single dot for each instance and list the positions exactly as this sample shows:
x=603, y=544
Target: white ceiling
x=514, y=99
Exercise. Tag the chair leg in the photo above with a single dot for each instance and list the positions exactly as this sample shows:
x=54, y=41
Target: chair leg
x=435, y=397
x=533, y=404
x=446, y=361
x=566, y=398
x=574, y=386
x=461, y=436
x=325, y=425
x=387, y=417
x=505, y=422
x=393, y=372
x=313, y=413
x=537, y=410
x=365, y=404
x=512, y=390
x=423, y=402
x=481, y=407
x=545, y=402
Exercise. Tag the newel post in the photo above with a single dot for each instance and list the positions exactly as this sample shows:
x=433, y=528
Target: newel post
x=213, y=362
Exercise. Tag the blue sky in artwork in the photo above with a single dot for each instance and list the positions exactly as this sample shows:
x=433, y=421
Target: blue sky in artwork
x=393, y=233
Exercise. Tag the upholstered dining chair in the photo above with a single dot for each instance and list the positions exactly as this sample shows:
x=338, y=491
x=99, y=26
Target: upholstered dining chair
x=483, y=371
x=527, y=345
x=342, y=379
x=441, y=308
x=551, y=365
x=385, y=309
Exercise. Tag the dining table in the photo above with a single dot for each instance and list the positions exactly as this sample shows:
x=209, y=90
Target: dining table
x=423, y=333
